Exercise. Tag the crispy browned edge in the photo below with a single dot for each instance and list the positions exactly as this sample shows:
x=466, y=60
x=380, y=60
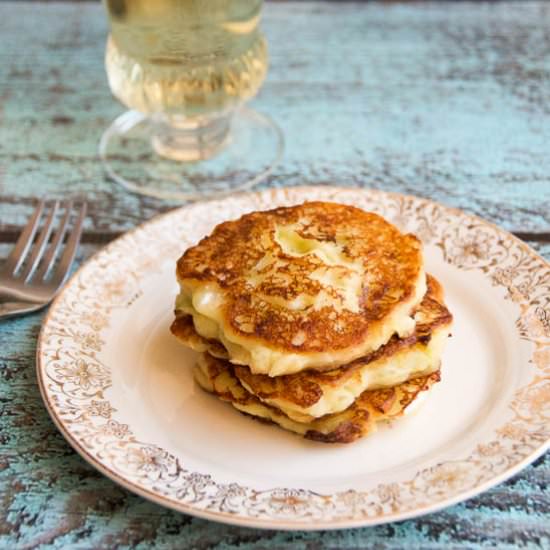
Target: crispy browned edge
x=357, y=420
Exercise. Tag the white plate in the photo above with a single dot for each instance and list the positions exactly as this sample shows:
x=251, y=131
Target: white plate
x=120, y=389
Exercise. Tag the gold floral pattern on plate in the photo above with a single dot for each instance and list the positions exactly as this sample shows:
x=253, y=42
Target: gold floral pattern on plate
x=74, y=381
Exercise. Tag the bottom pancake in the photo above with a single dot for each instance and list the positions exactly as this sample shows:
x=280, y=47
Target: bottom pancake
x=358, y=420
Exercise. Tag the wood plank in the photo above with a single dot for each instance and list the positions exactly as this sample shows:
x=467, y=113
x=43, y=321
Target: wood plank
x=543, y=248
x=445, y=102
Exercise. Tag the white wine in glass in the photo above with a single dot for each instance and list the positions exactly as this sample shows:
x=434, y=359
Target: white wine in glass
x=184, y=68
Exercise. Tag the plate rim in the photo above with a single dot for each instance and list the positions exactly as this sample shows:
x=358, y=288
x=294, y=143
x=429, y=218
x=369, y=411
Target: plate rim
x=246, y=521
x=241, y=519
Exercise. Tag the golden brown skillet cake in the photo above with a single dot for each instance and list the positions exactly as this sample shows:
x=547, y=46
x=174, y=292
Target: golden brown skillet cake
x=358, y=420
x=317, y=317
x=312, y=286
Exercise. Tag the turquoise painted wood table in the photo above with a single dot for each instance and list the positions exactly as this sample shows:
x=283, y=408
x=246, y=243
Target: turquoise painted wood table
x=444, y=100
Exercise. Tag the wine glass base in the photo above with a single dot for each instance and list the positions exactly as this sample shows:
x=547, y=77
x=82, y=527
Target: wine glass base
x=253, y=148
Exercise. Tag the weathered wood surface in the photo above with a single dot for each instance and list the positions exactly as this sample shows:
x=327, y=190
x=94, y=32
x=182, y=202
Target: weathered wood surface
x=448, y=101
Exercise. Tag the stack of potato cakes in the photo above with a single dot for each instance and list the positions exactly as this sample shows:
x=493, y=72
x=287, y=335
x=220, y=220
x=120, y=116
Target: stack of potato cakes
x=317, y=317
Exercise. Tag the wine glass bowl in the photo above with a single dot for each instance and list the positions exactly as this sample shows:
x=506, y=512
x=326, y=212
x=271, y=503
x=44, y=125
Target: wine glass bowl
x=185, y=68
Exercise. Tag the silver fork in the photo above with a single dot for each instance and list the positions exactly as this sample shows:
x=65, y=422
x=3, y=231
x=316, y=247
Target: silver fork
x=30, y=277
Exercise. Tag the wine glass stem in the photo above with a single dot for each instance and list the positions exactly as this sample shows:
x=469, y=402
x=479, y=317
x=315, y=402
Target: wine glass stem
x=190, y=139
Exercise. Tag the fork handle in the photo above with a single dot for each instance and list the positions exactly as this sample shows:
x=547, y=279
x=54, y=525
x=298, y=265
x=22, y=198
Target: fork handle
x=12, y=309
x=15, y=295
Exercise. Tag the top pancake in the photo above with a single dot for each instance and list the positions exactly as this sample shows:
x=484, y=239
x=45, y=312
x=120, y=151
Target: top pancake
x=310, y=286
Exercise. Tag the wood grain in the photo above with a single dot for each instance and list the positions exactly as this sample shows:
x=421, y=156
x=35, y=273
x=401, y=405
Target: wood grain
x=446, y=101
x=443, y=101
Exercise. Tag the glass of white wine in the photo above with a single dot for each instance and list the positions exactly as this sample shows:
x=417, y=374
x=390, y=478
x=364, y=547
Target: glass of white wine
x=185, y=68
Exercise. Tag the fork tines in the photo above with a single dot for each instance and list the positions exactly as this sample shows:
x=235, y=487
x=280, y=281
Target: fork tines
x=35, y=252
